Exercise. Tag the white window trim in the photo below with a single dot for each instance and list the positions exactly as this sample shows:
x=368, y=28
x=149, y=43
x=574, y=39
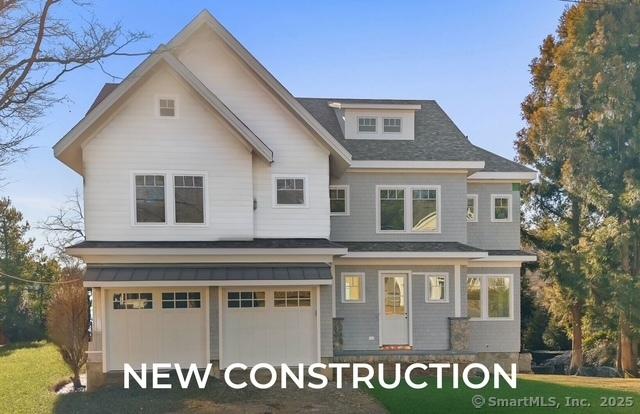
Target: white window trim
x=375, y=132
x=509, y=219
x=475, y=207
x=408, y=208
x=169, y=198
x=391, y=117
x=274, y=190
x=362, y=277
x=484, y=296
x=427, y=286
x=346, y=189
x=176, y=114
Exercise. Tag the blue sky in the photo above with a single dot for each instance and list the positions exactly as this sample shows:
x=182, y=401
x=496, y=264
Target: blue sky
x=470, y=56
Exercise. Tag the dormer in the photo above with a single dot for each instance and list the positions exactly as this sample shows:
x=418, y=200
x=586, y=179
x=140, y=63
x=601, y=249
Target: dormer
x=377, y=121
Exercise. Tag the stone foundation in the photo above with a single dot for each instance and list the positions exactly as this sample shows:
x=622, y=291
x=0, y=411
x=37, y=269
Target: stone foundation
x=215, y=369
x=337, y=335
x=459, y=334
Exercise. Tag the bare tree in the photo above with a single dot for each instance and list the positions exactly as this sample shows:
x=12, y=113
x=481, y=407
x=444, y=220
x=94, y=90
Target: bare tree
x=65, y=228
x=37, y=48
x=68, y=321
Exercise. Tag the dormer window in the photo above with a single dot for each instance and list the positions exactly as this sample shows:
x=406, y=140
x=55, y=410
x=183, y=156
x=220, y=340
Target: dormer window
x=367, y=124
x=392, y=125
x=167, y=107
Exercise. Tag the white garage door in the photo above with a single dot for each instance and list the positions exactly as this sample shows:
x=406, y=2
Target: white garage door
x=156, y=325
x=275, y=325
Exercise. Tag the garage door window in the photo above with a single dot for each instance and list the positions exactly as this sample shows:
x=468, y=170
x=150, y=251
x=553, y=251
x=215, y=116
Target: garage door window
x=180, y=300
x=291, y=298
x=246, y=299
x=132, y=301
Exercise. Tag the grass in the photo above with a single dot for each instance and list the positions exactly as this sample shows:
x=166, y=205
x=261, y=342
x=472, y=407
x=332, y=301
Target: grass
x=28, y=372
x=581, y=390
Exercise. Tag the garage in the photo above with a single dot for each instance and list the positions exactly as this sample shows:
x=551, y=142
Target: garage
x=273, y=325
x=152, y=325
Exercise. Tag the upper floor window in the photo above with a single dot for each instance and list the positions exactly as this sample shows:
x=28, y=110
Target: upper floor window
x=367, y=124
x=290, y=192
x=189, y=198
x=150, y=196
x=409, y=209
x=490, y=296
x=425, y=210
x=472, y=207
x=501, y=207
x=392, y=124
x=339, y=200
x=392, y=209
x=167, y=107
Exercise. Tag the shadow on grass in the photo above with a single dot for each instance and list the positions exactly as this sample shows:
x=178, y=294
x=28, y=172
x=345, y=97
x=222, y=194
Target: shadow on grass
x=8, y=349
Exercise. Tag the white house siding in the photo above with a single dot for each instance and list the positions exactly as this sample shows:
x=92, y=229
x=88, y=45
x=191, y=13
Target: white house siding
x=296, y=151
x=360, y=224
x=430, y=320
x=136, y=139
x=486, y=234
x=497, y=336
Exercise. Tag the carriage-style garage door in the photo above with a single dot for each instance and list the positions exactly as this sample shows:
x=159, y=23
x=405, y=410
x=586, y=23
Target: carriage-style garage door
x=151, y=325
x=272, y=325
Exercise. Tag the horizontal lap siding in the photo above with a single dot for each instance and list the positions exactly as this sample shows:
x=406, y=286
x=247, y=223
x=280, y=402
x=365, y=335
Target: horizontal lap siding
x=326, y=321
x=360, y=225
x=295, y=150
x=498, y=336
x=135, y=139
x=486, y=234
x=360, y=320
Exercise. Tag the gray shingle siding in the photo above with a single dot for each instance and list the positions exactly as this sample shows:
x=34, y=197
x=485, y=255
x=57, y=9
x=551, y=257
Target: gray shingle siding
x=360, y=225
x=486, y=234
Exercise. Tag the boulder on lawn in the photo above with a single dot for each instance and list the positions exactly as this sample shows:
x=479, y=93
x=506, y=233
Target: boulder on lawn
x=602, y=372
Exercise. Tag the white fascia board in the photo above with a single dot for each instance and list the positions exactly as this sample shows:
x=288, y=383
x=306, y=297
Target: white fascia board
x=355, y=105
x=520, y=258
x=439, y=165
x=205, y=17
x=89, y=251
x=525, y=176
x=177, y=283
x=417, y=255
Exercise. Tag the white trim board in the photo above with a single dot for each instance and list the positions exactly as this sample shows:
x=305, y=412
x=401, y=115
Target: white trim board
x=180, y=251
x=510, y=176
x=425, y=255
x=356, y=105
x=440, y=165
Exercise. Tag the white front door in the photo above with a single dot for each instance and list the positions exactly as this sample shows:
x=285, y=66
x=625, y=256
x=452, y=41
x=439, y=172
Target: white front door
x=394, y=309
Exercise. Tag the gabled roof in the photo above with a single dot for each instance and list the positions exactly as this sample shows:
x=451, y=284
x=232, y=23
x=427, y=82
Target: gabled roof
x=437, y=138
x=68, y=148
x=338, y=152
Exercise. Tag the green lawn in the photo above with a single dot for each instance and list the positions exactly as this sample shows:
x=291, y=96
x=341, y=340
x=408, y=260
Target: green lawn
x=27, y=374
x=584, y=390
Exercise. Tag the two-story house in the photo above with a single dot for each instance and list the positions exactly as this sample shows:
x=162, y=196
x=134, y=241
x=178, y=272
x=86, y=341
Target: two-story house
x=228, y=221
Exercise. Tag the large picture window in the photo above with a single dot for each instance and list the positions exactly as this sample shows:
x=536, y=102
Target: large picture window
x=150, y=195
x=490, y=296
x=189, y=198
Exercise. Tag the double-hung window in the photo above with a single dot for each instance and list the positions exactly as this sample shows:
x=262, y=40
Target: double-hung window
x=414, y=209
x=501, y=207
x=339, y=200
x=189, y=198
x=150, y=195
x=353, y=287
x=392, y=125
x=367, y=124
x=490, y=296
x=290, y=192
